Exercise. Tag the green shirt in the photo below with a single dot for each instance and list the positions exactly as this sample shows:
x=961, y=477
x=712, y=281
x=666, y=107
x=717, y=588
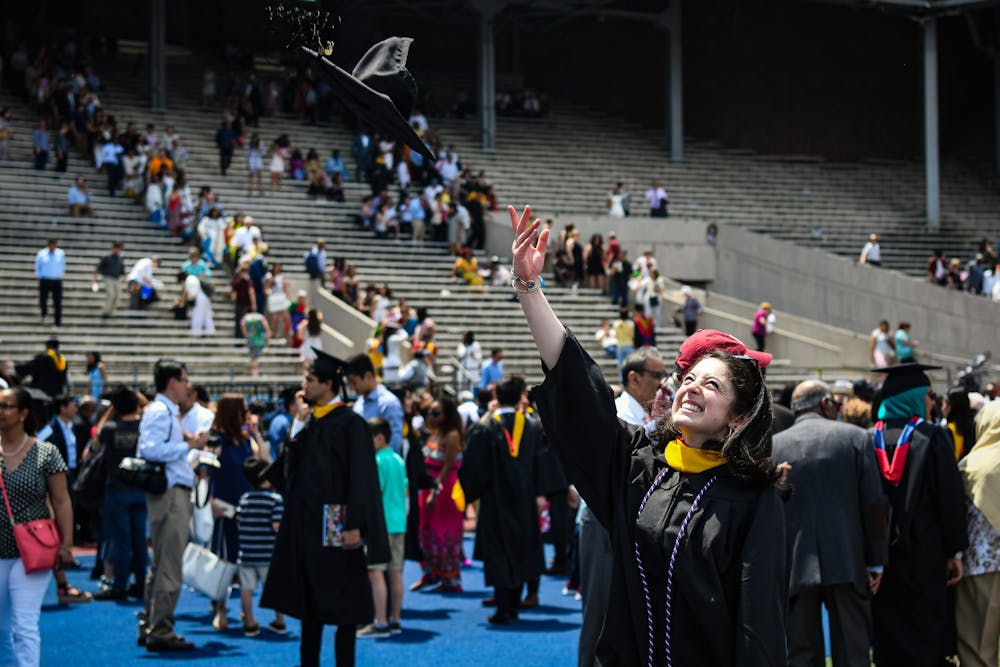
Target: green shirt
x=392, y=481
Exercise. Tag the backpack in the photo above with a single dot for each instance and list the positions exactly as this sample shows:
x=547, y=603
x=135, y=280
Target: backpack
x=312, y=265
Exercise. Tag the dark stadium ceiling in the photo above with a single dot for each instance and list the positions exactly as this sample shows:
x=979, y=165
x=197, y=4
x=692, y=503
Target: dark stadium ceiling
x=546, y=14
x=915, y=7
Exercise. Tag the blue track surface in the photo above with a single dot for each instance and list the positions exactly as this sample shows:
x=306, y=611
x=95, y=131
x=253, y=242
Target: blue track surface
x=438, y=630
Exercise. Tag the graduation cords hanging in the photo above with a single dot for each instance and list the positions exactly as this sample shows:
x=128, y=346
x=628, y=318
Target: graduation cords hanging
x=687, y=460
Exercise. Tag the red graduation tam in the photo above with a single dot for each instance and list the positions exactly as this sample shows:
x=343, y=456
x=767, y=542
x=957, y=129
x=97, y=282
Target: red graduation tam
x=703, y=341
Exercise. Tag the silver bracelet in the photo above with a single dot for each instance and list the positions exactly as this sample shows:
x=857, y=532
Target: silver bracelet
x=523, y=286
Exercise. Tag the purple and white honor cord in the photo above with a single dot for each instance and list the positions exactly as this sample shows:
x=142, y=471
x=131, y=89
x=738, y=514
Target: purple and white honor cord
x=670, y=565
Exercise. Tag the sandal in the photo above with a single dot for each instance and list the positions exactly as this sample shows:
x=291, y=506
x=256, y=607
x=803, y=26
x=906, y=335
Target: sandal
x=72, y=595
x=251, y=630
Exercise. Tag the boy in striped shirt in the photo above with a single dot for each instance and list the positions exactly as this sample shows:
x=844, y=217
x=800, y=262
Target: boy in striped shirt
x=259, y=517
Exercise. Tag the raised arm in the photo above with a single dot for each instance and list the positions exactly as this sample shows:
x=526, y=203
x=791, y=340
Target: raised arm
x=528, y=260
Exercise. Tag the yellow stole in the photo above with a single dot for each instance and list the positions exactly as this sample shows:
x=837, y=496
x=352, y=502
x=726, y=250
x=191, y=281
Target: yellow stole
x=691, y=460
x=513, y=441
x=321, y=411
x=58, y=359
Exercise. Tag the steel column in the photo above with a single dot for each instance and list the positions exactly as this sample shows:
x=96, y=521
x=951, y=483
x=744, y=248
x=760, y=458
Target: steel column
x=156, y=54
x=675, y=83
x=931, y=149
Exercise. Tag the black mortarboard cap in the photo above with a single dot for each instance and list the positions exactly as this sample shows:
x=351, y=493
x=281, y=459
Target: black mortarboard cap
x=328, y=367
x=380, y=90
x=901, y=377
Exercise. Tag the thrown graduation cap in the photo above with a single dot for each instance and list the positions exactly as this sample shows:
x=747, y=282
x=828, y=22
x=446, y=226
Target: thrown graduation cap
x=380, y=90
x=902, y=377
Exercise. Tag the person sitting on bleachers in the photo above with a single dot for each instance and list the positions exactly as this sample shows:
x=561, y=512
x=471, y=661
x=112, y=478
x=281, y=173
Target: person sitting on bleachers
x=133, y=166
x=78, y=199
x=336, y=164
x=160, y=164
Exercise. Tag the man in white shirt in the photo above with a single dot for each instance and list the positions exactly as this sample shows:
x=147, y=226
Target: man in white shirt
x=658, y=200
x=195, y=415
x=140, y=282
x=162, y=439
x=642, y=372
x=872, y=252
x=245, y=237
x=60, y=433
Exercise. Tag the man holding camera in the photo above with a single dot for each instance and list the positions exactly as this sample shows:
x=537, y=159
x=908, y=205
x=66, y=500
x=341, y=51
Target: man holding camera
x=162, y=439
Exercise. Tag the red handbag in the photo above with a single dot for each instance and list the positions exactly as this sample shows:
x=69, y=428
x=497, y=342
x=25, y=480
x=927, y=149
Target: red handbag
x=37, y=541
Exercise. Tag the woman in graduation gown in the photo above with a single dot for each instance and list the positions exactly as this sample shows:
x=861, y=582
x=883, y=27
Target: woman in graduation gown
x=696, y=525
x=912, y=614
x=329, y=460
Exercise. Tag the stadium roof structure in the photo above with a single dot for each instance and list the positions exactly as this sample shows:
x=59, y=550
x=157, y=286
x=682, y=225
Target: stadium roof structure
x=916, y=7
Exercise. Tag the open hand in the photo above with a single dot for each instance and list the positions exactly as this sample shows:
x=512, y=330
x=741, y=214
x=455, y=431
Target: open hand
x=529, y=257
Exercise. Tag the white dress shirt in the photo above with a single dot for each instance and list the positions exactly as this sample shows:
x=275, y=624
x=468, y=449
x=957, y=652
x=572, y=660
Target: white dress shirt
x=161, y=438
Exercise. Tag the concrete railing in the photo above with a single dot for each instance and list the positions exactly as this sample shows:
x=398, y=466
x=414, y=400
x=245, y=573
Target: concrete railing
x=808, y=288
x=345, y=329
x=816, y=285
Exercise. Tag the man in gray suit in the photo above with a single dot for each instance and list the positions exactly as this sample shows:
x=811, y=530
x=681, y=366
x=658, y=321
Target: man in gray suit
x=837, y=530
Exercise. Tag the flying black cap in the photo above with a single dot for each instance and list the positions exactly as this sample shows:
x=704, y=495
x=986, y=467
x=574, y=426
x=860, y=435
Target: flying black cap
x=902, y=377
x=380, y=90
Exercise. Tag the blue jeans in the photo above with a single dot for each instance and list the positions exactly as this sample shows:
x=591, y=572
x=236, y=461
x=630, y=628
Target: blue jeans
x=125, y=528
x=623, y=352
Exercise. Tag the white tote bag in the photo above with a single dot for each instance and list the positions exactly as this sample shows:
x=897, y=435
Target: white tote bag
x=202, y=519
x=207, y=573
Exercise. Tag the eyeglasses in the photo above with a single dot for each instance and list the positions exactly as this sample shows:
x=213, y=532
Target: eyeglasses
x=659, y=375
x=747, y=357
x=8, y=406
x=434, y=413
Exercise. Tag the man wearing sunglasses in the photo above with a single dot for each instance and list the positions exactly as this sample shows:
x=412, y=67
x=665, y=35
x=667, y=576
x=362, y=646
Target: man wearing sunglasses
x=837, y=529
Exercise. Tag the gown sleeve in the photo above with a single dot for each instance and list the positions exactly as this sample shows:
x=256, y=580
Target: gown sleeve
x=475, y=473
x=950, y=494
x=760, y=625
x=582, y=427
x=364, y=504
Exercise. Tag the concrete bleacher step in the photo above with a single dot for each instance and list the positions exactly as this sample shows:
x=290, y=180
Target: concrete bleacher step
x=787, y=196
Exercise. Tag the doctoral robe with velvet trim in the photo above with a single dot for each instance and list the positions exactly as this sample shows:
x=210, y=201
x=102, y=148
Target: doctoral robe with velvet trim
x=330, y=461
x=913, y=620
x=729, y=588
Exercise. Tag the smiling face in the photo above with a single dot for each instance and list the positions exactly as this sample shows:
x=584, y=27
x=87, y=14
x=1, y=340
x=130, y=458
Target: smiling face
x=702, y=408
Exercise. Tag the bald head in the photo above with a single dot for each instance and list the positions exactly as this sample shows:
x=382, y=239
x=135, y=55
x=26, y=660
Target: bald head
x=809, y=395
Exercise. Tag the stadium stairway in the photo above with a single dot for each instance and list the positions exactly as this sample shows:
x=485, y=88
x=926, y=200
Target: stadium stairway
x=291, y=222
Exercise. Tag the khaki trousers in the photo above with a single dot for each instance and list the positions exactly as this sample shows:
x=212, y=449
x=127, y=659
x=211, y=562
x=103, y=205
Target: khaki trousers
x=112, y=290
x=977, y=614
x=169, y=518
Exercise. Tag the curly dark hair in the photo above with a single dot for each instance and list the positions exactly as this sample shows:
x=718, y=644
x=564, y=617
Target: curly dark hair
x=748, y=445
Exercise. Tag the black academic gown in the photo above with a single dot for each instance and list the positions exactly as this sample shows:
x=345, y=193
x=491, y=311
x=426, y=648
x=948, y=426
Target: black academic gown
x=508, y=541
x=729, y=587
x=418, y=479
x=911, y=613
x=331, y=461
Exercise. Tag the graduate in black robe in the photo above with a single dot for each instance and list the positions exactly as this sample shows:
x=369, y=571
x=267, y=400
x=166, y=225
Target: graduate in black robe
x=328, y=461
x=504, y=467
x=697, y=528
x=912, y=616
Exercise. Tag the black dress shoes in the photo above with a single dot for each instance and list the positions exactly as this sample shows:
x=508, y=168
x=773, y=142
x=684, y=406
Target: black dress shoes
x=502, y=618
x=168, y=644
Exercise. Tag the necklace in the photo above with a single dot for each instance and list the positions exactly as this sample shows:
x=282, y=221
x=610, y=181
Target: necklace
x=17, y=451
